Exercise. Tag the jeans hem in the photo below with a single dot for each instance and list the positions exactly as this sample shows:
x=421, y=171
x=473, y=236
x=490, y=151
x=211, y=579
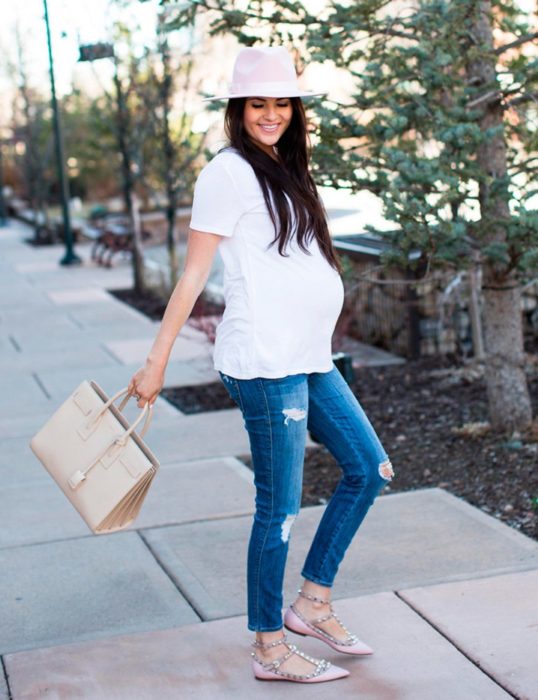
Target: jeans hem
x=252, y=628
x=315, y=579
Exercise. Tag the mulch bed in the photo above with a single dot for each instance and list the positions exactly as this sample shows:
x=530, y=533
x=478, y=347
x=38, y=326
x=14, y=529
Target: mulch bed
x=154, y=307
x=416, y=409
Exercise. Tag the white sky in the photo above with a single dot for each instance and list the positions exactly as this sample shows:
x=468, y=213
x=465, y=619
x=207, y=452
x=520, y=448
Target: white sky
x=74, y=21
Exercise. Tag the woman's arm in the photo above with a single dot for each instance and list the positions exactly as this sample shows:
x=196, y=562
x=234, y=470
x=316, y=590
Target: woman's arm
x=147, y=382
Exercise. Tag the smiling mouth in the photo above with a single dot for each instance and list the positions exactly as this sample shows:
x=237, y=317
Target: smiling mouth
x=269, y=128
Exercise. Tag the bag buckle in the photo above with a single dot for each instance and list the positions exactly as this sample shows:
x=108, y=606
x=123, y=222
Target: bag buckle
x=76, y=478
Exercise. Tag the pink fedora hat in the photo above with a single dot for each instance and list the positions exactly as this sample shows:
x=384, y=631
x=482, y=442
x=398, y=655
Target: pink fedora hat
x=264, y=71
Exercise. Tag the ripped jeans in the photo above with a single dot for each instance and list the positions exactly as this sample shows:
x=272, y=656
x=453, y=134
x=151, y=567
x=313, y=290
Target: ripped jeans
x=277, y=414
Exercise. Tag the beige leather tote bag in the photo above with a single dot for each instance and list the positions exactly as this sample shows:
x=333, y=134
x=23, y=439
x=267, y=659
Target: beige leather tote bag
x=103, y=467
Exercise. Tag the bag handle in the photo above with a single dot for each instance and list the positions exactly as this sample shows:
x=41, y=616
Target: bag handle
x=147, y=411
x=128, y=396
x=124, y=401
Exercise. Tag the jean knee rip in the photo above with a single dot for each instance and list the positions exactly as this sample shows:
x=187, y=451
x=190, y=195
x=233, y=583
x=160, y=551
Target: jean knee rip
x=295, y=414
x=385, y=470
x=286, y=527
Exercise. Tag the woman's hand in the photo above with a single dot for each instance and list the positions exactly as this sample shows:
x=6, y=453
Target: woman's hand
x=146, y=384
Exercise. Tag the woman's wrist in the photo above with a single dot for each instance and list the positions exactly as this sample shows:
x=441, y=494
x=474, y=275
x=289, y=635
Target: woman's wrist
x=156, y=362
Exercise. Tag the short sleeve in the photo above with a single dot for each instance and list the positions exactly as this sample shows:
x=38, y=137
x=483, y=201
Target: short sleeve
x=216, y=205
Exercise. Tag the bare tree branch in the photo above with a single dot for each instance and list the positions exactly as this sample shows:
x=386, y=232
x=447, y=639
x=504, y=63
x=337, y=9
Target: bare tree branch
x=488, y=97
x=496, y=95
x=521, y=40
x=523, y=166
x=396, y=32
x=527, y=97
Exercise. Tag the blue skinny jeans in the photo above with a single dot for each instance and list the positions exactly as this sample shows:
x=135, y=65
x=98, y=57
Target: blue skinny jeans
x=277, y=414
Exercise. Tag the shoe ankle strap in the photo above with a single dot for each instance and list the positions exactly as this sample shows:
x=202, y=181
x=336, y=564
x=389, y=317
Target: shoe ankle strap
x=312, y=597
x=269, y=645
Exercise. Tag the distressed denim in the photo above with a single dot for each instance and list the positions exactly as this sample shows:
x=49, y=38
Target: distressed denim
x=277, y=414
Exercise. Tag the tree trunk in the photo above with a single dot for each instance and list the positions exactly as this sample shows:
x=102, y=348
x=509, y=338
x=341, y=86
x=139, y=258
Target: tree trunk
x=138, y=255
x=170, y=165
x=508, y=396
x=171, y=246
x=34, y=171
x=128, y=185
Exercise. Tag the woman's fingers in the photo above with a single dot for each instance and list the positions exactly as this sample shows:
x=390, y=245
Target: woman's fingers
x=142, y=402
x=131, y=388
x=144, y=388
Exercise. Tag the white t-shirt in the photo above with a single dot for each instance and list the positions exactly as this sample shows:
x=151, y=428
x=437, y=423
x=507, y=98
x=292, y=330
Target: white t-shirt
x=280, y=312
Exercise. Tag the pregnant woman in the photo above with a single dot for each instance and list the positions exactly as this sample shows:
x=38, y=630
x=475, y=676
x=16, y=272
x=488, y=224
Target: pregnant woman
x=256, y=200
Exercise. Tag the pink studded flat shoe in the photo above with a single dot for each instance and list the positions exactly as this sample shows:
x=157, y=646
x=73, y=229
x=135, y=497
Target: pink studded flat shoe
x=294, y=621
x=271, y=671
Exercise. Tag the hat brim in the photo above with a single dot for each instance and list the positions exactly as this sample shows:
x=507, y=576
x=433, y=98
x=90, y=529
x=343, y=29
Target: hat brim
x=296, y=93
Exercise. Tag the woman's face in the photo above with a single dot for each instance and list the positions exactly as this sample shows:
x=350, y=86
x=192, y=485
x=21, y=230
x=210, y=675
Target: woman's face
x=265, y=120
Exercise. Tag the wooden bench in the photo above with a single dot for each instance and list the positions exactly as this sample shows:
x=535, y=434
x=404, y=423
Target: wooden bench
x=110, y=238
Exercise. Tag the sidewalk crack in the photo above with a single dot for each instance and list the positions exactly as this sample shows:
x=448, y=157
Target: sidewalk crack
x=74, y=320
x=13, y=342
x=109, y=352
x=456, y=646
x=6, y=678
x=173, y=579
x=40, y=385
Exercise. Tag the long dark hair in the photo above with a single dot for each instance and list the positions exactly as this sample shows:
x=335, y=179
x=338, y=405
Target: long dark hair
x=291, y=178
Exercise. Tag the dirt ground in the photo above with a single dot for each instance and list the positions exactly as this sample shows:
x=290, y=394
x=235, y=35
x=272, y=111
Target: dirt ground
x=431, y=416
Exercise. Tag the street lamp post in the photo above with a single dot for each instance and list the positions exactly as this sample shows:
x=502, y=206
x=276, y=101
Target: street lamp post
x=70, y=257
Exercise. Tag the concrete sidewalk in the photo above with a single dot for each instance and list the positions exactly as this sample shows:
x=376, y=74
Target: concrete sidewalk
x=445, y=594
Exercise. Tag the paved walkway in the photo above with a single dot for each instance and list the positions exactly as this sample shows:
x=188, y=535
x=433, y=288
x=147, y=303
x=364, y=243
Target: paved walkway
x=444, y=593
